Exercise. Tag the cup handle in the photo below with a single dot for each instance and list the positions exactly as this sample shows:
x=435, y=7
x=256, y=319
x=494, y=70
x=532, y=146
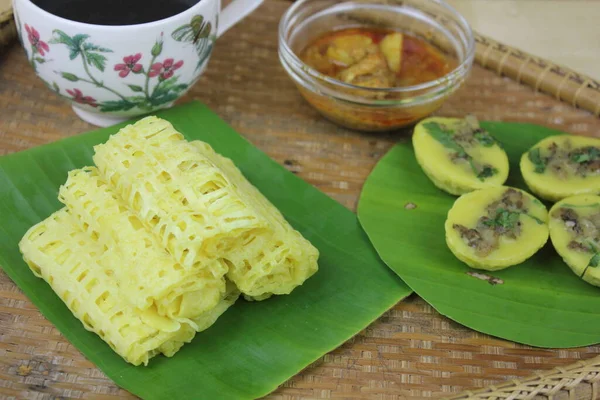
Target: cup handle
x=235, y=12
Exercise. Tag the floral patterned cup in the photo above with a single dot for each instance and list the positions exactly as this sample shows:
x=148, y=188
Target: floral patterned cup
x=112, y=73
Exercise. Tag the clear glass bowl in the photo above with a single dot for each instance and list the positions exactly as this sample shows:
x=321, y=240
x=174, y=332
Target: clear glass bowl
x=363, y=108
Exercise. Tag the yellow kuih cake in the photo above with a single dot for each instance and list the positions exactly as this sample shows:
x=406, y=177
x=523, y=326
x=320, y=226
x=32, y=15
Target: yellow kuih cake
x=79, y=269
x=575, y=234
x=496, y=228
x=146, y=272
x=458, y=155
x=563, y=166
x=202, y=209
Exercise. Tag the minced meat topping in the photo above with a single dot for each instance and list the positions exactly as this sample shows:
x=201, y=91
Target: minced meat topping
x=502, y=219
x=584, y=230
x=460, y=139
x=565, y=161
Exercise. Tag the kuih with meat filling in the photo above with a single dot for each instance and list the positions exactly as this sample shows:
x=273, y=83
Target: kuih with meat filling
x=563, y=166
x=458, y=155
x=496, y=228
x=575, y=234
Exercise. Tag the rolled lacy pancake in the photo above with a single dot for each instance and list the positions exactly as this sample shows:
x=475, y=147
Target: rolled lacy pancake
x=80, y=270
x=156, y=242
x=278, y=260
x=176, y=192
x=575, y=234
x=148, y=275
x=202, y=208
x=458, y=155
x=496, y=228
x=563, y=166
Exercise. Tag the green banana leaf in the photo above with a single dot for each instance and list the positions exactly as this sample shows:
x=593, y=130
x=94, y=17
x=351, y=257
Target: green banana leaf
x=253, y=347
x=539, y=302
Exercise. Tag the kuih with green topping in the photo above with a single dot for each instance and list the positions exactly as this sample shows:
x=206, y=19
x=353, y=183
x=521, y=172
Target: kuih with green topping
x=563, y=166
x=575, y=234
x=458, y=155
x=496, y=228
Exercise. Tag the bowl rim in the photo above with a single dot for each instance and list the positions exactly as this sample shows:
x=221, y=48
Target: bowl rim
x=335, y=83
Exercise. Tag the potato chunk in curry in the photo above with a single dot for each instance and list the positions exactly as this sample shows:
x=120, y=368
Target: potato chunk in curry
x=349, y=49
x=391, y=46
x=375, y=58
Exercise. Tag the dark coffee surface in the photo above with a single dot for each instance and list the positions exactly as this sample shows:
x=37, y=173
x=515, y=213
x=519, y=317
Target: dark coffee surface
x=115, y=12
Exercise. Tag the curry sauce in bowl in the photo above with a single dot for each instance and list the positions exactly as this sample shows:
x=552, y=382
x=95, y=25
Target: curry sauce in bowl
x=375, y=65
x=376, y=58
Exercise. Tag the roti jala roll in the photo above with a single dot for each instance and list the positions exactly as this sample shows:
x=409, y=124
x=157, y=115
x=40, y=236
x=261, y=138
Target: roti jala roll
x=147, y=274
x=80, y=271
x=281, y=258
x=202, y=208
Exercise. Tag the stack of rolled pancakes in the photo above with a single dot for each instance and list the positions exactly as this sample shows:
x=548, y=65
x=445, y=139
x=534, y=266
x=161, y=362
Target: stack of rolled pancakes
x=159, y=239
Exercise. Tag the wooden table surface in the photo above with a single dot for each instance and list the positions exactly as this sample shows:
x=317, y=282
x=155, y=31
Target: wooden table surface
x=410, y=352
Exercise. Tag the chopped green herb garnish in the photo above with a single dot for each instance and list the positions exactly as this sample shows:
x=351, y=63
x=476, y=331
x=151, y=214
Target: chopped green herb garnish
x=484, y=138
x=445, y=138
x=503, y=219
x=507, y=219
x=536, y=158
x=580, y=158
x=486, y=172
x=586, y=154
x=594, y=261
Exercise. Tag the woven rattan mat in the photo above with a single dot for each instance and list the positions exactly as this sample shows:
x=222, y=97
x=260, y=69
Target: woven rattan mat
x=7, y=25
x=411, y=351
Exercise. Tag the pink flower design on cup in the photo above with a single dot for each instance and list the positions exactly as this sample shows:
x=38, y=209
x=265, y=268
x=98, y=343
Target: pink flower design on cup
x=81, y=99
x=130, y=64
x=34, y=38
x=166, y=69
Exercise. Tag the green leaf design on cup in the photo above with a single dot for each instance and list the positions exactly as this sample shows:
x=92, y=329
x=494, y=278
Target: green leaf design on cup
x=136, y=88
x=161, y=85
x=197, y=32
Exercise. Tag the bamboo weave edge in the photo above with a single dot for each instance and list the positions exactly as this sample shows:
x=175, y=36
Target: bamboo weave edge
x=8, y=30
x=577, y=381
x=565, y=84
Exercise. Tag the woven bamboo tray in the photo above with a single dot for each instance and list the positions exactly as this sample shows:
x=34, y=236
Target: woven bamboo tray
x=8, y=31
x=411, y=351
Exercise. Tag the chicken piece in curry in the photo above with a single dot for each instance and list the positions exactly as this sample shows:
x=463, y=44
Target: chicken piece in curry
x=376, y=58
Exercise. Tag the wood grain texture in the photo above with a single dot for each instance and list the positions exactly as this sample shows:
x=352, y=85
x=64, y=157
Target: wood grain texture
x=410, y=352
